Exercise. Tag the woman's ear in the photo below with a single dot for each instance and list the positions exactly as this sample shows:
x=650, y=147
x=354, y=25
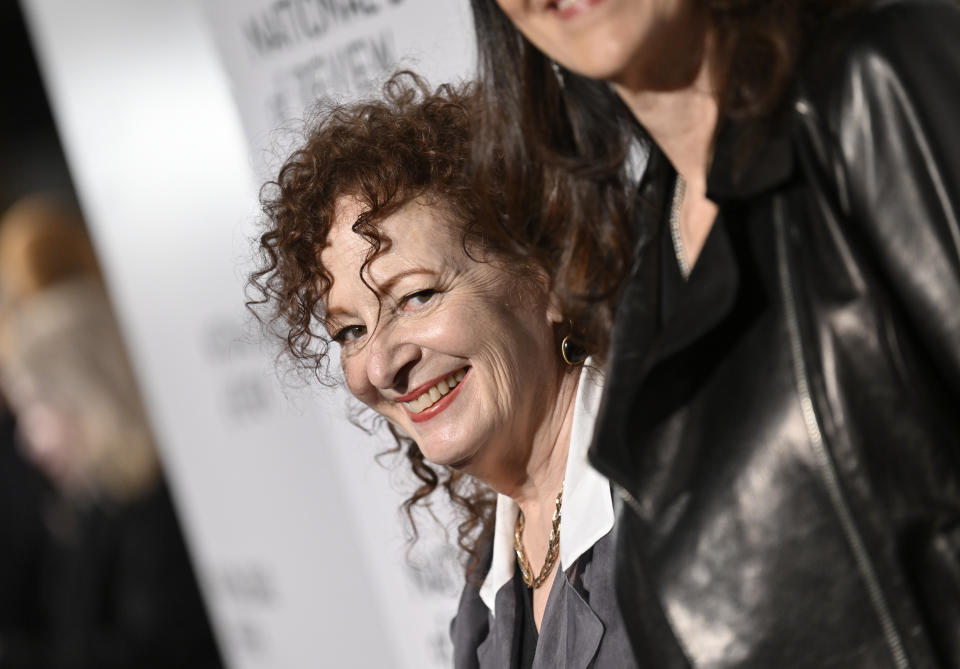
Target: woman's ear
x=554, y=307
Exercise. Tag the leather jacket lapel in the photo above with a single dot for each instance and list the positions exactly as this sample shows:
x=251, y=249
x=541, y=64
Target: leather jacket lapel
x=703, y=305
x=750, y=158
x=633, y=331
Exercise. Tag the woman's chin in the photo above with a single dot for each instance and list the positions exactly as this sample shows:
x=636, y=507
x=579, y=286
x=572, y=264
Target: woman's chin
x=458, y=458
x=603, y=66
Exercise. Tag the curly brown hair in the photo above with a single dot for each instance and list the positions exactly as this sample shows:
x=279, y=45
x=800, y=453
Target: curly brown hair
x=412, y=143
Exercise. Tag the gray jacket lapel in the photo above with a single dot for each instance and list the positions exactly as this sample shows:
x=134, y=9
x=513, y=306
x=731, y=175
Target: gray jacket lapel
x=494, y=652
x=571, y=631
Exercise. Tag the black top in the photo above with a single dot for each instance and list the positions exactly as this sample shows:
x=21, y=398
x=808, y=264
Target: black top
x=526, y=635
x=671, y=279
x=115, y=590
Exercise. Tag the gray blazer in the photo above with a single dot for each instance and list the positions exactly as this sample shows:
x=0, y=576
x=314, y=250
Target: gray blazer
x=582, y=627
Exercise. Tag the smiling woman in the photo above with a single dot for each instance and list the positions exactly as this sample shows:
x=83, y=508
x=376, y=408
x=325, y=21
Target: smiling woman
x=449, y=327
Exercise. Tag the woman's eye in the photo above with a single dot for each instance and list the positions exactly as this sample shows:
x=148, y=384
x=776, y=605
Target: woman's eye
x=349, y=333
x=417, y=299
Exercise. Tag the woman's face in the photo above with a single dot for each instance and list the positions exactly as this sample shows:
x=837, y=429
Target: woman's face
x=612, y=40
x=457, y=354
x=53, y=439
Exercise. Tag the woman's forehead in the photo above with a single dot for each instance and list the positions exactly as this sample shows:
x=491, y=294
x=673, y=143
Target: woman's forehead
x=415, y=232
x=416, y=237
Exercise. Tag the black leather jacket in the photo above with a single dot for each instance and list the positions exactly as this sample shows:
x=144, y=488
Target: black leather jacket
x=788, y=443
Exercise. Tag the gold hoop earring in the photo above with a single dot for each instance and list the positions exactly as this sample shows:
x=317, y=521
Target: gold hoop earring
x=571, y=352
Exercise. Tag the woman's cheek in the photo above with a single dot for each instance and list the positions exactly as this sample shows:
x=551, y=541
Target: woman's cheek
x=355, y=377
x=509, y=7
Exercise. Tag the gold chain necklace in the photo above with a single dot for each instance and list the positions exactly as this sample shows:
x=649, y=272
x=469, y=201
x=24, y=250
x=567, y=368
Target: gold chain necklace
x=553, y=548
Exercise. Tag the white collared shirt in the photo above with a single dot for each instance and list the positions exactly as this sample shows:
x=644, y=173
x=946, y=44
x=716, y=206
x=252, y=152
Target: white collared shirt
x=587, y=513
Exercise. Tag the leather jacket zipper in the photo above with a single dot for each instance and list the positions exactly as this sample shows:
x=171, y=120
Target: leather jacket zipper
x=824, y=459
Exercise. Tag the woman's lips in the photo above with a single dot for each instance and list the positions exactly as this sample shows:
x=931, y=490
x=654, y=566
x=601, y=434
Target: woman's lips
x=567, y=9
x=428, y=396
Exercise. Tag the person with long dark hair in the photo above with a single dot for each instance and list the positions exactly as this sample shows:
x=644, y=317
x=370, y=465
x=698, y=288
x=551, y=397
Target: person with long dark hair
x=780, y=296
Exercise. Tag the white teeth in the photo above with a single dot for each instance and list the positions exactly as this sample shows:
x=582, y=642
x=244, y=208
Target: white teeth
x=428, y=398
x=563, y=4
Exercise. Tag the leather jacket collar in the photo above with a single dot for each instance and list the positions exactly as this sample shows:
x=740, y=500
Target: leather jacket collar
x=749, y=158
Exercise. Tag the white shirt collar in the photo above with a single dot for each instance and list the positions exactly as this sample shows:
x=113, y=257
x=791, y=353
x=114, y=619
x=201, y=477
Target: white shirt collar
x=587, y=513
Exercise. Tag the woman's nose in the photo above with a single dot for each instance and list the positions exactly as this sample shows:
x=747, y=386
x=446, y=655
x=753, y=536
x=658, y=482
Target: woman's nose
x=390, y=359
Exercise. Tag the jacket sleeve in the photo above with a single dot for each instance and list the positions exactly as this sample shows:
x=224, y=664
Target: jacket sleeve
x=891, y=113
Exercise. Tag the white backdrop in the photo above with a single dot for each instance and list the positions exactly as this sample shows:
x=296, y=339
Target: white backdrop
x=284, y=55
x=167, y=111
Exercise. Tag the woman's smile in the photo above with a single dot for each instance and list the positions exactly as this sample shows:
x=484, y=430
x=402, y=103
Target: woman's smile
x=568, y=9
x=433, y=397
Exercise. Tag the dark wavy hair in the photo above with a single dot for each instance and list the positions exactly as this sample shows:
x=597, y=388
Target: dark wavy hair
x=567, y=136
x=412, y=143
x=535, y=138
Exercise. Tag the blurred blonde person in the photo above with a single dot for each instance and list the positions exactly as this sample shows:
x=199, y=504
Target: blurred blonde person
x=62, y=365
x=116, y=587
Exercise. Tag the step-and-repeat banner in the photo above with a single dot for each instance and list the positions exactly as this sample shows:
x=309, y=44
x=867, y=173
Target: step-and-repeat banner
x=172, y=113
x=283, y=56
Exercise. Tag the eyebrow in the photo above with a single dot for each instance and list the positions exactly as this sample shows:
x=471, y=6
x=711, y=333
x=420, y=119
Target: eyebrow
x=332, y=312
